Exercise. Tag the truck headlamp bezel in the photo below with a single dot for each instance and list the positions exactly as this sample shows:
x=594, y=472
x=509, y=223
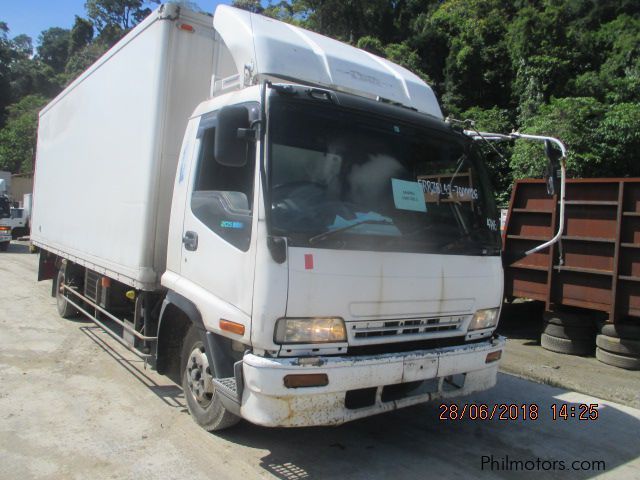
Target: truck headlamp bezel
x=309, y=330
x=484, y=318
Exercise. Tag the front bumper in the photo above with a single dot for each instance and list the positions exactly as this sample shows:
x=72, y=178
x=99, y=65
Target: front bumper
x=267, y=401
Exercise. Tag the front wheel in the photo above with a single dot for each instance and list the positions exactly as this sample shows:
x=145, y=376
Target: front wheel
x=203, y=402
x=4, y=246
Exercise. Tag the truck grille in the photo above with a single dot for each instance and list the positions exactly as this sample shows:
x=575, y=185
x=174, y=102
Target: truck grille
x=401, y=329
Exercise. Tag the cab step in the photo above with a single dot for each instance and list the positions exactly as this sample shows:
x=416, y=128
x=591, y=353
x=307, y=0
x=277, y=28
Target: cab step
x=230, y=394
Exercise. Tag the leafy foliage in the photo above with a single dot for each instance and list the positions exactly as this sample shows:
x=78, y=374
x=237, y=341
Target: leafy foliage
x=570, y=68
x=54, y=48
x=116, y=14
x=18, y=137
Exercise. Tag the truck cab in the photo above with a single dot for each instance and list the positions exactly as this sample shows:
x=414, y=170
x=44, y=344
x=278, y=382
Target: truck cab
x=345, y=232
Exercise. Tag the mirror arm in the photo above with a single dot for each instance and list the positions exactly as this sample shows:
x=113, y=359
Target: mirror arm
x=499, y=137
x=563, y=177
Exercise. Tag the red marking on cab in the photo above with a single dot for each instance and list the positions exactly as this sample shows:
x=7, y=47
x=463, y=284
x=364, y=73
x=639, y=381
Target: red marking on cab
x=308, y=261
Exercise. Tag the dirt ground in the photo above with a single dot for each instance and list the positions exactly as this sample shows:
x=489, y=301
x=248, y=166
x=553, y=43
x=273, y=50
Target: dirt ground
x=75, y=405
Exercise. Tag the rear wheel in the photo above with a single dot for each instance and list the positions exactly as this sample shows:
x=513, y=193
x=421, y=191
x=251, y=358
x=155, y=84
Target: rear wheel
x=622, y=346
x=621, y=361
x=203, y=402
x=632, y=332
x=570, y=319
x=571, y=333
x=566, y=345
x=65, y=309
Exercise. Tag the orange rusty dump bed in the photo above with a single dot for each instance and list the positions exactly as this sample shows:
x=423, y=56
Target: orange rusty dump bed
x=597, y=263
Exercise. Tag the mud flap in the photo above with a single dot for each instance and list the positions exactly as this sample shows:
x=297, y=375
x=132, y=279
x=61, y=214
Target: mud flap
x=46, y=266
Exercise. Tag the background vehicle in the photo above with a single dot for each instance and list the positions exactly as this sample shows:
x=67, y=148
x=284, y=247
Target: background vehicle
x=330, y=250
x=5, y=222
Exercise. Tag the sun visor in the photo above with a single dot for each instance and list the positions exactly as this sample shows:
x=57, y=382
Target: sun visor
x=261, y=46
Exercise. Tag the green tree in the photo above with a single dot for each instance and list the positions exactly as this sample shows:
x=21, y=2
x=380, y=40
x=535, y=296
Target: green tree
x=469, y=51
x=113, y=18
x=495, y=120
x=84, y=58
x=27, y=75
x=81, y=35
x=22, y=46
x=5, y=71
x=618, y=141
x=53, y=48
x=348, y=20
x=399, y=53
x=18, y=137
x=371, y=45
x=575, y=121
x=615, y=76
x=253, y=6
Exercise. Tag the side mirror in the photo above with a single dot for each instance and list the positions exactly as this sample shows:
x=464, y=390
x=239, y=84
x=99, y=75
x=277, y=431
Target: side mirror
x=229, y=149
x=551, y=172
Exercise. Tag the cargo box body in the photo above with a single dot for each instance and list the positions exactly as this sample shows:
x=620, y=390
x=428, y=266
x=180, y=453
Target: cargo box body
x=108, y=147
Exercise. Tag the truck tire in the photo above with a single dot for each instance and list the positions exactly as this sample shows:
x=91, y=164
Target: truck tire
x=619, y=330
x=65, y=309
x=203, y=403
x=621, y=361
x=622, y=346
x=571, y=333
x=4, y=246
x=567, y=346
x=570, y=319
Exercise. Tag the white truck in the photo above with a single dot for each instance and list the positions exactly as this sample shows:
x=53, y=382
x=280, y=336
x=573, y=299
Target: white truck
x=16, y=222
x=280, y=222
x=6, y=223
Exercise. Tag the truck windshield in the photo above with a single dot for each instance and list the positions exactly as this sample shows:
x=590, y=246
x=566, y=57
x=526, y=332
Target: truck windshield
x=344, y=179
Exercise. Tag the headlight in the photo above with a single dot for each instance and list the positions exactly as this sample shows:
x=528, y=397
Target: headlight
x=484, y=319
x=310, y=330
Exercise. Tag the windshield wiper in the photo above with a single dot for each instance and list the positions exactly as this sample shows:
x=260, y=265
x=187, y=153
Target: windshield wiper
x=322, y=236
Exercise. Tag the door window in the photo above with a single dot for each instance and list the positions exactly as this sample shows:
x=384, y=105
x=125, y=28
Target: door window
x=222, y=196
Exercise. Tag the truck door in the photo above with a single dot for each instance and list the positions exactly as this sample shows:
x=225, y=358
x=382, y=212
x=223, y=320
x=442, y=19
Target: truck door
x=218, y=238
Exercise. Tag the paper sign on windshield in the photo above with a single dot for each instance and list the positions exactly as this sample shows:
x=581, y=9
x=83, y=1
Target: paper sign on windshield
x=408, y=195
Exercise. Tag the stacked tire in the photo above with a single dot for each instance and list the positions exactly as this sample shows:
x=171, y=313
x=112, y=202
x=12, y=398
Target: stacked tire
x=569, y=333
x=619, y=345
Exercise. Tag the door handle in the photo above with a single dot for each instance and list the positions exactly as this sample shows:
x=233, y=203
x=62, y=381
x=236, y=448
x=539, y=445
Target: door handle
x=190, y=241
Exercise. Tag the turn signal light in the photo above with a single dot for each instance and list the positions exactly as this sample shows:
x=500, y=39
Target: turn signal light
x=306, y=380
x=493, y=356
x=233, y=327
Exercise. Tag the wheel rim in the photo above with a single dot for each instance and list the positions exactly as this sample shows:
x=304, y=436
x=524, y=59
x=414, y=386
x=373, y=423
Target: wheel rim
x=199, y=379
